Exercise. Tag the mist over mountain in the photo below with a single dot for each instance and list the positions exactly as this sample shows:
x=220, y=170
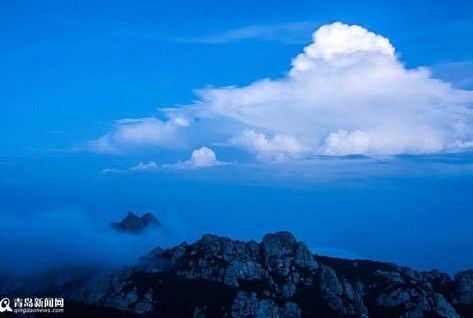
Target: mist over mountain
x=58, y=239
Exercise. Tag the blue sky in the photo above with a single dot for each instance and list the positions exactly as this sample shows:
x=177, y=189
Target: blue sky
x=70, y=68
x=203, y=109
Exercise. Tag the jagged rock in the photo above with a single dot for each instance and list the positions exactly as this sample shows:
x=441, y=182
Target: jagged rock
x=390, y=277
x=440, y=282
x=133, y=223
x=100, y=287
x=444, y=308
x=278, y=244
x=354, y=296
x=304, y=257
x=247, y=304
x=242, y=270
x=464, y=287
x=178, y=252
x=291, y=310
x=267, y=309
x=394, y=298
x=278, y=251
x=329, y=281
x=282, y=252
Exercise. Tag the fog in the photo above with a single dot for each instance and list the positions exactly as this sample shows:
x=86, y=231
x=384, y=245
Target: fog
x=49, y=240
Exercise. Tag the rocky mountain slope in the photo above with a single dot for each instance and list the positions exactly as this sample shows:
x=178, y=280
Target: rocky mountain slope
x=279, y=277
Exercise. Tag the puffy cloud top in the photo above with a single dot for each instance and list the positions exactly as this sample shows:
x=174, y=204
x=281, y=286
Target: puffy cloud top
x=337, y=39
x=203, y=157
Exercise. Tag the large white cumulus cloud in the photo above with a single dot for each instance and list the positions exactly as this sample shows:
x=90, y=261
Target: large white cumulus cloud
x=346, y=93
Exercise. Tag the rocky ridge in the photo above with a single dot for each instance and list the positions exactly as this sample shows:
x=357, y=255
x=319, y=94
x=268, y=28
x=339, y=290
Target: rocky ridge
x=278, y=277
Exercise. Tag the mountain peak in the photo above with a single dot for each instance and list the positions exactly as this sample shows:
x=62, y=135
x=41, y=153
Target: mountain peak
x=133, y=223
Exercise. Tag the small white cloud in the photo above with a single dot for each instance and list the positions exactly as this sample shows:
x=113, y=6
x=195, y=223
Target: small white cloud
x=202, y=157
x=290, y=33
x=112, y=170
x=142, y=166
x=130, y=134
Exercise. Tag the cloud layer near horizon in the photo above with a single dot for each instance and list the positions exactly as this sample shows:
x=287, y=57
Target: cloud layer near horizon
x=346, y=93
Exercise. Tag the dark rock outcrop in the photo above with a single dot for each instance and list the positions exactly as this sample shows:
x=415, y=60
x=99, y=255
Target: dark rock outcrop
x=464, y=287
x=279, y=278
x=135, y=224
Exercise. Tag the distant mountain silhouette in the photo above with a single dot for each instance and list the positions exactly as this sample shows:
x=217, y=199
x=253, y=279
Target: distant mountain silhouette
x=134, y=223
